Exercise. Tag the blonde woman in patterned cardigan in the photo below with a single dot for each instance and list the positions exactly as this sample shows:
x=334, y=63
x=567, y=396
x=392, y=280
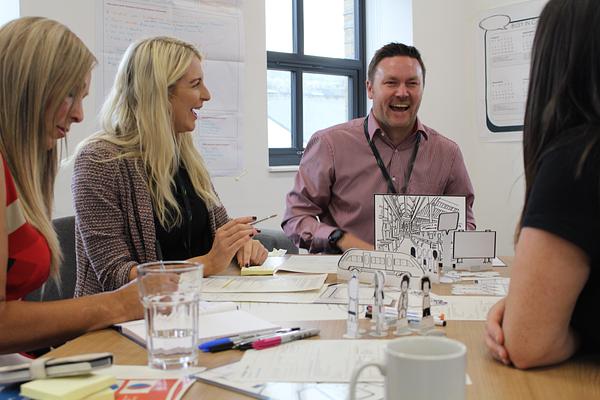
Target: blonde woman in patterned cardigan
x=141, y=190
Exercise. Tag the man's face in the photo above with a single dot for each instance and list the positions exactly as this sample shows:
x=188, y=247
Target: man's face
x=396, y=91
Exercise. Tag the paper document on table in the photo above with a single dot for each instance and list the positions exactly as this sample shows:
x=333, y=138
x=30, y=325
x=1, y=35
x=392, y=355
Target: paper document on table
x=307, y=296
x=298, y=312
x=465, y=308
x=224, y=377
x=312, y=361
x=227, y=323
x=484, y=286
x=338, y=294
x=255, y=284
x=311, y=264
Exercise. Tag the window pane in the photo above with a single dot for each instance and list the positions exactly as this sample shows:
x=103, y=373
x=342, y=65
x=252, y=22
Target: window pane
x=279, y=25
x=329, y=28
x=325, y=102
x=279, y=105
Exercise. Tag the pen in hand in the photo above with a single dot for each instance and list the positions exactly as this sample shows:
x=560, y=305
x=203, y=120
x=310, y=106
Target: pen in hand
x=263, y=219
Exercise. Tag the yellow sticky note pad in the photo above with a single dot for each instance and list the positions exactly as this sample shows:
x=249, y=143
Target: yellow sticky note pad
x=258, y=270
x=68, y=388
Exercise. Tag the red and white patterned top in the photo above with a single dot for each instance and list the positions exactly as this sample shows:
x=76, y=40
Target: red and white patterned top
x=29, y=256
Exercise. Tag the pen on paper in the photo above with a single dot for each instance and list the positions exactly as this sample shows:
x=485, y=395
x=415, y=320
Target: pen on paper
x=263, y=219
x=283, y=338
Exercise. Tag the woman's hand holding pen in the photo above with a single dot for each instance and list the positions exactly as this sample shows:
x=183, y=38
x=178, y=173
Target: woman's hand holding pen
x=229, y=239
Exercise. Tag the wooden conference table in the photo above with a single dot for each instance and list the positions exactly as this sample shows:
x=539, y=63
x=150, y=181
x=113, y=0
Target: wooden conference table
x=577, y=379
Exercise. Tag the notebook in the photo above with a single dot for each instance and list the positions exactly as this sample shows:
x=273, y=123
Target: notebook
x=213, y=324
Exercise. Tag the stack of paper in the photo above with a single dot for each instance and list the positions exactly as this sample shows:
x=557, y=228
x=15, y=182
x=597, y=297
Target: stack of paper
x=311, y=264
x=262, y=284
x=270, y=289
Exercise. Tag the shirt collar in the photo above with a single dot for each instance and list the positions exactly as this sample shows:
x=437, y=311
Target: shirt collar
x=374, y=127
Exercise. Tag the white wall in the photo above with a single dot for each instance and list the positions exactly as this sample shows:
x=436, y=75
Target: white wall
x=444, y=33
x=9, y=9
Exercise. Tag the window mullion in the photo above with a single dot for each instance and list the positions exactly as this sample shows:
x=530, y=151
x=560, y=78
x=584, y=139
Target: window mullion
x=298, y=111
x=299, y=26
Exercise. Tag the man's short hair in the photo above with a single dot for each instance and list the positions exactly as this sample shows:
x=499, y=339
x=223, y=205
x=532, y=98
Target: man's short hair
x=393, y=50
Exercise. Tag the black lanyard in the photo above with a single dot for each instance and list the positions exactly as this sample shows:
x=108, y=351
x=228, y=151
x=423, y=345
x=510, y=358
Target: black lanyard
x=384, y=171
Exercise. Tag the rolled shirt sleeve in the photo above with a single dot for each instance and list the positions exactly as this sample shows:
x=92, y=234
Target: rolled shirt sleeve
x=310, y=197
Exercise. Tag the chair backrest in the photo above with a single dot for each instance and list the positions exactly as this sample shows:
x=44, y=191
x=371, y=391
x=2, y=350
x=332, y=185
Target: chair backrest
x=65, y=229
x=271, y=238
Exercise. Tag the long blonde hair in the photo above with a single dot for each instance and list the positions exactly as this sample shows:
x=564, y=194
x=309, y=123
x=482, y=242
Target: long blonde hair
x=42, y=63
x=136, y=116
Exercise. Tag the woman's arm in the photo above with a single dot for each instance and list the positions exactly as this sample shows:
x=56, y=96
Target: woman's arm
x=32, y=325
x=548, y=275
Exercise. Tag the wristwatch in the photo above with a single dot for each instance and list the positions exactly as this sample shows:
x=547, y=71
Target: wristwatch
x=334, y=238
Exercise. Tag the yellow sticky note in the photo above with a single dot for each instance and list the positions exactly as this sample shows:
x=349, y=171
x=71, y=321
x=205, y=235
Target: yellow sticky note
x=258, y=270
x=67, y=388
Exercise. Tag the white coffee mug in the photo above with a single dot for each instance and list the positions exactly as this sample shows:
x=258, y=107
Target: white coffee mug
x=421, y=367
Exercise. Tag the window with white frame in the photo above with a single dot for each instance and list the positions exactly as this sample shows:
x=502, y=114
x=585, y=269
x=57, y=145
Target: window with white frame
x=315, y=70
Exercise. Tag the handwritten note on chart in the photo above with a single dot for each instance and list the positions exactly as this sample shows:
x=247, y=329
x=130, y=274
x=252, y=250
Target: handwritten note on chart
x=312, y=361
x=254, y=284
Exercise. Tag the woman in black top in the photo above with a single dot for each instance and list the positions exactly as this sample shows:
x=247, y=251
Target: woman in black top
x=548, y=314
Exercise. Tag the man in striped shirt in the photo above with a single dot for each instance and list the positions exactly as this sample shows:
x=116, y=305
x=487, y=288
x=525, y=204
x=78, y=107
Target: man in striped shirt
x=331, y=206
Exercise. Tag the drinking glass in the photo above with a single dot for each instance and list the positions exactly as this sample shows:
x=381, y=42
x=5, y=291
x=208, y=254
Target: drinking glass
x=170, y=292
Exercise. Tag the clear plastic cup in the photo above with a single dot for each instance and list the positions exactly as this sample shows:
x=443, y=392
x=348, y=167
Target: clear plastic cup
x=170, y=292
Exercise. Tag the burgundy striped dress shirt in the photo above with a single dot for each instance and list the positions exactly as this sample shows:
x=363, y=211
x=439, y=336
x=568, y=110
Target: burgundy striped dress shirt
x=338, y=177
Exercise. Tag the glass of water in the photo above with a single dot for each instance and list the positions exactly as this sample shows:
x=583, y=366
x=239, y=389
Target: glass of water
x=170, y=292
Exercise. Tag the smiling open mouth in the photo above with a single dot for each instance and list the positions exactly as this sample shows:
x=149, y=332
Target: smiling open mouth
x=399, y=107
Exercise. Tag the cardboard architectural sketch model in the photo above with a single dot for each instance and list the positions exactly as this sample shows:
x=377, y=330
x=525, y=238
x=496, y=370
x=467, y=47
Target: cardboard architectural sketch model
x=432, y=230
x=421, y=226
x=366, y=262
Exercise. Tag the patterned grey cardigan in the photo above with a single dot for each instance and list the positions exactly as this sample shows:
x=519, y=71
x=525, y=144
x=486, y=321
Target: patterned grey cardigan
x=114, y=221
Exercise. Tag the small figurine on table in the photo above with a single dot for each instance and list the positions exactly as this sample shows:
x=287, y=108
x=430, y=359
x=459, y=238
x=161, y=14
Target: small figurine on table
x=380, y=326
x=352, y=329
x=426, y=320
x=402, y=323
